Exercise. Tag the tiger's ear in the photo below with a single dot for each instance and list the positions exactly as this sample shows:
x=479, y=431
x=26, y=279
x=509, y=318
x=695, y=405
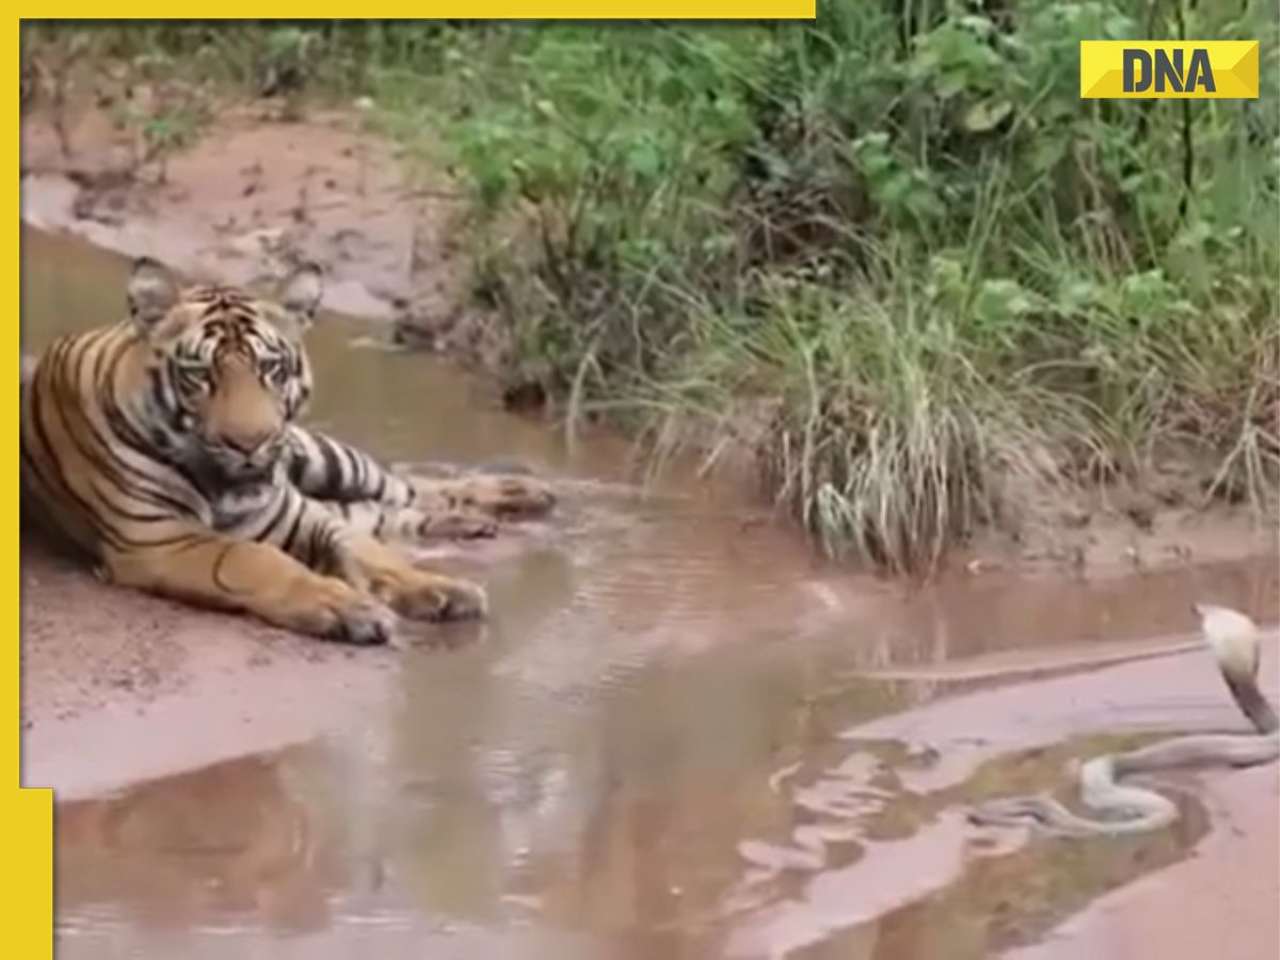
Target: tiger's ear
x=300, y=292
x=152, y=292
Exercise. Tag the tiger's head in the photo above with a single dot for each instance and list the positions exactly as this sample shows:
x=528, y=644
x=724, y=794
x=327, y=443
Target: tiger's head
x=226, y=370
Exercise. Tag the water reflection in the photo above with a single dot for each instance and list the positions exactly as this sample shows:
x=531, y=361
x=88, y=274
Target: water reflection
x=880, y=871
x=246, y=841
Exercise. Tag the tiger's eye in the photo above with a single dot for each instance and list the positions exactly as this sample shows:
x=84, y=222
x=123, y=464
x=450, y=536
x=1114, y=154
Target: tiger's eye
x=193, y=376
x=274, y=370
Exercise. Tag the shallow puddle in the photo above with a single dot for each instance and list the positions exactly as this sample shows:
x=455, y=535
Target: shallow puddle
x=638, y=756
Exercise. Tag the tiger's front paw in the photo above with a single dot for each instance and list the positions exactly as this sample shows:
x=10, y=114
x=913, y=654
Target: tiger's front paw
x=463, y=600
x=496, y=495
x=419, y=595
x=515, y=496
x=335, y=610
x=457, y=525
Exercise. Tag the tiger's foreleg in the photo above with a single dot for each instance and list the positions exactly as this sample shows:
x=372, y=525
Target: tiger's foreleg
x=385, y=522
x=410, y=590
x=317, y=537
x=490, y=494
x=202, y=567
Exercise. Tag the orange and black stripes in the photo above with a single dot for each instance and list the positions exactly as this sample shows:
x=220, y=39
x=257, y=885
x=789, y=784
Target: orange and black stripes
x=167, y=447
x=117, y=437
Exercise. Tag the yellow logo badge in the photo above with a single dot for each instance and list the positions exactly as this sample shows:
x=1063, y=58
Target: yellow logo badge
x=1169, y=69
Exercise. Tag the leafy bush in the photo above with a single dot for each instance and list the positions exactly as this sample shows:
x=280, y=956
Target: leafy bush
x=907, y=230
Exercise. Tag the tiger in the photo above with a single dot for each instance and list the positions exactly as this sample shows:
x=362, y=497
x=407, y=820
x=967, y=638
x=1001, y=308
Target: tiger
x=167, y=446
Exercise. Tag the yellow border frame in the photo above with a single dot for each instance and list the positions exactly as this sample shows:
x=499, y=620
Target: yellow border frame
x=27, y=814
x=495, y=10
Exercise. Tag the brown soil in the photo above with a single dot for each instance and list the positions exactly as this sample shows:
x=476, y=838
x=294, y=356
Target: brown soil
x=152, y=687
x=255, y=194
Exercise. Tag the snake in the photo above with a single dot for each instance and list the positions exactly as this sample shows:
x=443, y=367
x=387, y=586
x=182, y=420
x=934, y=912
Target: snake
x=1124, y=808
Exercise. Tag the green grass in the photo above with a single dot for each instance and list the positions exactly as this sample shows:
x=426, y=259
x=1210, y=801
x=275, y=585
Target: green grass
x=890, y=256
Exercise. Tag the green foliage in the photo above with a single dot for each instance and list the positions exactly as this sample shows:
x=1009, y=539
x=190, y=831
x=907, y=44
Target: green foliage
x=716, y=207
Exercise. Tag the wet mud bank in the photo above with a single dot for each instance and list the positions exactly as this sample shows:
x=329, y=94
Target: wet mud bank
x=254, y=195
x=248, y=198
x=119, y=687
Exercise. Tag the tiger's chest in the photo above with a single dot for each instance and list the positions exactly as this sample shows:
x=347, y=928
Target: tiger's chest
x=246, y=505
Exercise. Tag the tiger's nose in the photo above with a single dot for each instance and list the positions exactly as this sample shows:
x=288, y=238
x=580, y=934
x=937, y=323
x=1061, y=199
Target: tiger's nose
x=250, y=443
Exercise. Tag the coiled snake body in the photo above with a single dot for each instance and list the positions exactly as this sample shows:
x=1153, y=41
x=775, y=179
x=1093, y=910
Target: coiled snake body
x=1124, y=809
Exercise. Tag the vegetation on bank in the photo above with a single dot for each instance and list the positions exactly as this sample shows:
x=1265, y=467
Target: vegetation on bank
x=890, y=254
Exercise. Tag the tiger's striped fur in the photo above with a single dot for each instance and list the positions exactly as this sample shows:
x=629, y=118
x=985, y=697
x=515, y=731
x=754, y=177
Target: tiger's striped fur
x=167, y=447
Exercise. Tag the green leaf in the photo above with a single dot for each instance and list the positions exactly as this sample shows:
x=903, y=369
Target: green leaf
x=643, y=159
x=986, y=115
x=671, y=90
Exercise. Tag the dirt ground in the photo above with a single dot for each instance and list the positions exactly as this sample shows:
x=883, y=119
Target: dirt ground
x=254, y=195
x=150, y=687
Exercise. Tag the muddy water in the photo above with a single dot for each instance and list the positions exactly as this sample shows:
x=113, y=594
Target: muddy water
x=652, y=748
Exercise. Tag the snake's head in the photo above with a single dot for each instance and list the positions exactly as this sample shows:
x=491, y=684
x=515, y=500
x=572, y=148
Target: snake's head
x=1232, y=637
